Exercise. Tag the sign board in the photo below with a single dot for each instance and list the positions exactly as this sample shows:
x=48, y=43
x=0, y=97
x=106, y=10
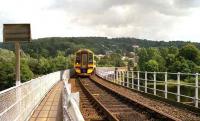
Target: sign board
x=16, y=32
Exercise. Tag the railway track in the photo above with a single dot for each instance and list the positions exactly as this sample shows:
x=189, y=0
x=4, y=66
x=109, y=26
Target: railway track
x=113, y=106
x=87, y=106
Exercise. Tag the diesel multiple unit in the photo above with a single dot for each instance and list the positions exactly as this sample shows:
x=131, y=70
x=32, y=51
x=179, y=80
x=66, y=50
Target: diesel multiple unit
x=84, y=63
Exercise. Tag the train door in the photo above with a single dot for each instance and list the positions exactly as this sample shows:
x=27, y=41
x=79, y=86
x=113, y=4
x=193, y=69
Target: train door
x=84, y=60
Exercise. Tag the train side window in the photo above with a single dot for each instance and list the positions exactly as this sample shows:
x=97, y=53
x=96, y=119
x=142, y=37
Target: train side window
x=78, y=59
x=90, y=58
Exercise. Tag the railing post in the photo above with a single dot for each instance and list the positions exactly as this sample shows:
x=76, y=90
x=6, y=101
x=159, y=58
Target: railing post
x=116, y=76
x=154, y=85
x=178, y=87
x=127, y=79
x=138, y=84
x=196, y=90
x=123, y=77
x=109, y=76
x=145, y=81
x=120, y=75
x=166, y=85
x=132, y=79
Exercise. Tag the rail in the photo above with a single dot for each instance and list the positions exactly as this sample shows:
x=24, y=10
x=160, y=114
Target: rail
x=171, y=86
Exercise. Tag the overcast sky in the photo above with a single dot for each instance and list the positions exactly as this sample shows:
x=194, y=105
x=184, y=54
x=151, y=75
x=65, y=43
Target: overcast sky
x=149, y=19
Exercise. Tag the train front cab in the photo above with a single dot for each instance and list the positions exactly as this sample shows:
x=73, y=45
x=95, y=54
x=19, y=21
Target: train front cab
x=84, y=63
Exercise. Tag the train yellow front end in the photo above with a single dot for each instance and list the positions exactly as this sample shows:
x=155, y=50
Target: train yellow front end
x=84, y=64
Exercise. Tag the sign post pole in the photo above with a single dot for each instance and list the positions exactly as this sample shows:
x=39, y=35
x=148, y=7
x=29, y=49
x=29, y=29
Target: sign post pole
x=17, y=33
x=17, y=62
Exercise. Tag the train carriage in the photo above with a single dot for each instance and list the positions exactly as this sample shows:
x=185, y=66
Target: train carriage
x=84, y=64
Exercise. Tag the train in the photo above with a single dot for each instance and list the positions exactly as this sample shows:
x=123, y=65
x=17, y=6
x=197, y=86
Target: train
x=84, y=64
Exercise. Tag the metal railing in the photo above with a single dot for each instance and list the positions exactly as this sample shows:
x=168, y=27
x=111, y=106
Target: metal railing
x=71, y=109
x=70, y=101
x=17, y=103
x=180, y=87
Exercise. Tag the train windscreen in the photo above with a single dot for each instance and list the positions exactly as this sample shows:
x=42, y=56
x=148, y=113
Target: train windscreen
x=84, y=60
x=90, y=58
x=78, y=59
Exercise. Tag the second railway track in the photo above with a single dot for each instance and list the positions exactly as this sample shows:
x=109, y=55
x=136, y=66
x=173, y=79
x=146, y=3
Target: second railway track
x=116, y=107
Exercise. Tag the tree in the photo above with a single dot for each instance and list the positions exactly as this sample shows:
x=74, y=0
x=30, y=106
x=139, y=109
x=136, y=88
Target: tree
x=173, y=50
x=7, y=76
x=143, y=57
x=151, y=66
x=164, y=52
x=60, y=62
x=152, y=52
x=43, y=66
x=194, y=68
x=161, y=62
x=26, y=73
x=180, y=65
x=170, y=59
x=190, y=52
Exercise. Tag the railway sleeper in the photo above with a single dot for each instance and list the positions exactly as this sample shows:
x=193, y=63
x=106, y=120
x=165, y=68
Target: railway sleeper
x=120, y=110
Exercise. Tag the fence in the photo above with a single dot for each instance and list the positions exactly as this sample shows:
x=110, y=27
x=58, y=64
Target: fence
x=70, y=103
x=180, y=87
x=17, y=103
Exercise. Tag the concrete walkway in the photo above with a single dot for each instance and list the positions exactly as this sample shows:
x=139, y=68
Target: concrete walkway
x=50, y=109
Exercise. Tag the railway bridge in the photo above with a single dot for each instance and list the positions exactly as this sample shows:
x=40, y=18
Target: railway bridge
x=112, y=94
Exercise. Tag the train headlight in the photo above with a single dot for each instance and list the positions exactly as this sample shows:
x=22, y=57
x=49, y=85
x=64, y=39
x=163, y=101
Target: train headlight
x=90, y=70
x=78, y=70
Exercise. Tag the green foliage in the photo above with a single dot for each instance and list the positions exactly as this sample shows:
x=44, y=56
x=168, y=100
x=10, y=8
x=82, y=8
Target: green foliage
x=6, y=75
x=152, y=65
x=170, y=58
x=143, y=58
x=173, y=50
x=190, y=52
x=43, y=66
x=26, y=73
x=180, y=65
x=30, y=67
x=47, y=55
x=112, y=60
x=49, y=46
x=186, y=59
x=59, y=63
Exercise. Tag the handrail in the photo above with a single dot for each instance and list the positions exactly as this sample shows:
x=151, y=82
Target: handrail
x=70, y=106
x=137, y=79
x=18, y=102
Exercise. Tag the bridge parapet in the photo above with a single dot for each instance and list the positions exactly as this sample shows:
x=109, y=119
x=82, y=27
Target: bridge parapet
x=18, y=102
x=180, y=87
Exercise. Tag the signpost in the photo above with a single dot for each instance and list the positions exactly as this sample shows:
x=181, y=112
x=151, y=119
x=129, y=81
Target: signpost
x=17, y=33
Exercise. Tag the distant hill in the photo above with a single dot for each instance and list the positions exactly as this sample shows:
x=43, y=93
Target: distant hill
x=50, y=46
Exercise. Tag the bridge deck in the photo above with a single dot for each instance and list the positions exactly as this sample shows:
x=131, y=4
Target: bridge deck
x=50, y=109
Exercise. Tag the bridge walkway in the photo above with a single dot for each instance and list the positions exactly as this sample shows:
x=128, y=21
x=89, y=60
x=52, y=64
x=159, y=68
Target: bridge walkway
x=50, y=109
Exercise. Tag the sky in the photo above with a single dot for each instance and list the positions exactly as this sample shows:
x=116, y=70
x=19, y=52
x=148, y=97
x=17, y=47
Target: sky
x=146, y=19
